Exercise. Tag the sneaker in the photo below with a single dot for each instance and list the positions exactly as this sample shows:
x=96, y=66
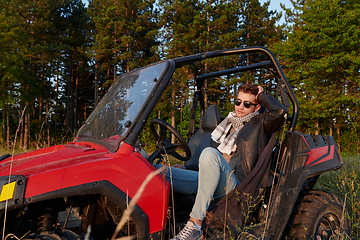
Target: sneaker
x=191, y=231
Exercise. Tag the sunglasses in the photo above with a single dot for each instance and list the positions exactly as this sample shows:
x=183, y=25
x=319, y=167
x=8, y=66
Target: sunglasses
x=247, y=104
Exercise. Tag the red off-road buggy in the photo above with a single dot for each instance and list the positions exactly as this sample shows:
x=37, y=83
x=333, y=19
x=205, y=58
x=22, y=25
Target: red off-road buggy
x=66, y=191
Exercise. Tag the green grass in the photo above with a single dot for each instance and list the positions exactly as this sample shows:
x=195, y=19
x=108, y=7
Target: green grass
x=345, y=183
x=11, y=151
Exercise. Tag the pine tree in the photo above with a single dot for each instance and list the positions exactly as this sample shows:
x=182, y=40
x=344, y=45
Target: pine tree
x=124, y=35
x=18, y=82
x=240, y=24
x=192, y=27
x=322, y=61
x=182, y=25
x=77, y=81
x=43, y=38
x=259, y=24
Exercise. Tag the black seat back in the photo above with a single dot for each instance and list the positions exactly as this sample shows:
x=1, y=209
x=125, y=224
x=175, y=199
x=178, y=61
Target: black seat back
x=202, y=137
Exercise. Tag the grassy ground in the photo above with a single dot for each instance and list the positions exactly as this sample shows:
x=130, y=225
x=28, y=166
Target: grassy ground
x=4, y=151
x=345, y=183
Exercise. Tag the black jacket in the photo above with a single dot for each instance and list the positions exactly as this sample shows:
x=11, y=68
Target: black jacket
x=254, y=136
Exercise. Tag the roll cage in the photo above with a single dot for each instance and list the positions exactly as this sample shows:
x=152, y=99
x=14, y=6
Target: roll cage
x=269, y=62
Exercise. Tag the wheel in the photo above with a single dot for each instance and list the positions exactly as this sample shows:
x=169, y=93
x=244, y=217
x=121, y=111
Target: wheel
x=321, y=215
x=163, y=145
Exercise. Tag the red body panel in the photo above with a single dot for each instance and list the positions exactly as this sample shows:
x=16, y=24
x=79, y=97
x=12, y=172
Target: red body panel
x=320, y=155
x=69, y=165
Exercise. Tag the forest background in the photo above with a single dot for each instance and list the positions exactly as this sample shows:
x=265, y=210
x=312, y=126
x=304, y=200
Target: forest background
x=58, y=57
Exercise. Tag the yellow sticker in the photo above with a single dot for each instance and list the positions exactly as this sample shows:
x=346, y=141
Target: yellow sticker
x=7, y=191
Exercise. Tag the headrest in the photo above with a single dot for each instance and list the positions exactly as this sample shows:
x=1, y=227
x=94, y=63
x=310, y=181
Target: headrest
x=211, y=118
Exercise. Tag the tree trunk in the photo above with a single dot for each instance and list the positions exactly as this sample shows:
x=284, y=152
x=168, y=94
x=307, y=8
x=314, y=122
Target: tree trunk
x=338, y=131
x=3, y=128
x=7, y=130
x=26, y=131
x=317, y=129
x=96, y=84
x=20, y=131
x=47, y=123
x=70, y=103
x=75, y=124
x=173, y=117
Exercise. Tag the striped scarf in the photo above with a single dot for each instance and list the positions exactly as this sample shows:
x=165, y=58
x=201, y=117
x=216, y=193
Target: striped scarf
x=221, y=132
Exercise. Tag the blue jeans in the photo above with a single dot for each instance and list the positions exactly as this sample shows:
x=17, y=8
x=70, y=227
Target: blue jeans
x=214, y=180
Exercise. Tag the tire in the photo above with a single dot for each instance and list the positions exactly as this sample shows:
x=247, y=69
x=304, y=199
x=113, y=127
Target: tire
x=321, y=215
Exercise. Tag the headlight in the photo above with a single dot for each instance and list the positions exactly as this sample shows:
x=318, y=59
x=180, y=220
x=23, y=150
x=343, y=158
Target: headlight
x=12, y=191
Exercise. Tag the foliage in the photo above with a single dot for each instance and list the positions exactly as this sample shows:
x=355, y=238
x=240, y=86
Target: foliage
x=193, y=26
x=47, y=70
x=58, y=57
x=322, y=61
x=124, y=34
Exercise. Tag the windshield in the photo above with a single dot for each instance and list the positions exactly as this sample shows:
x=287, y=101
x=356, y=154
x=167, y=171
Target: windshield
x=120, y=106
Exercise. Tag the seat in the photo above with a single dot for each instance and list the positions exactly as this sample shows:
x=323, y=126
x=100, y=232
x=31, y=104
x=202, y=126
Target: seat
x=202, y=137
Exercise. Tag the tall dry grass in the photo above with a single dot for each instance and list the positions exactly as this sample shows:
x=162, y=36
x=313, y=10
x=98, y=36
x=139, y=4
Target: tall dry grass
x=345, y=183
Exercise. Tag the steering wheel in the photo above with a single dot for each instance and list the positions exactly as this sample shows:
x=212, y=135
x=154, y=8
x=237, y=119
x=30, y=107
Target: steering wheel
x=164, y=146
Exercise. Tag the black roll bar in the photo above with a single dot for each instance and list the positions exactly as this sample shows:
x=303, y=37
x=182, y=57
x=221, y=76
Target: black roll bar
x=272, y=62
